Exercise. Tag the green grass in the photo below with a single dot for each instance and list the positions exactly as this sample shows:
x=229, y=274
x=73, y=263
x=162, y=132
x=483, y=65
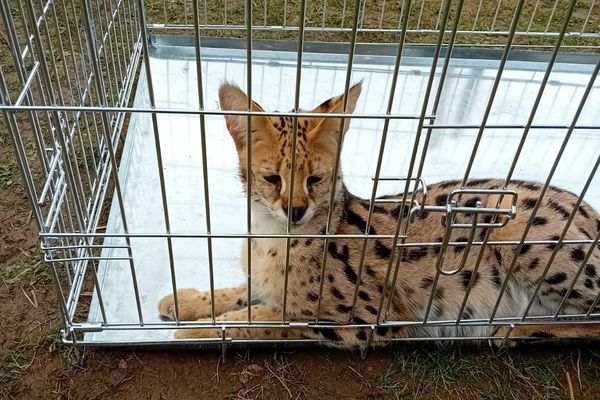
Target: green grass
x=4, y=136
x=448, y=371
x=391, y=382
x=7, y=174
x=480, y=16
x=18, y=357
x=15, y=364
x=31, y=267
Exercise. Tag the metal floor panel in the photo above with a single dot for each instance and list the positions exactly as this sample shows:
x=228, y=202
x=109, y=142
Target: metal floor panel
x=466, y=92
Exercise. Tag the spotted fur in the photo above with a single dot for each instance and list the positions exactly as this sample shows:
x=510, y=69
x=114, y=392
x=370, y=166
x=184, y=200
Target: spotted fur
x=339, y=301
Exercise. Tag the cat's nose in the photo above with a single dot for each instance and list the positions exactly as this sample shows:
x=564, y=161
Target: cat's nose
x=298, y=213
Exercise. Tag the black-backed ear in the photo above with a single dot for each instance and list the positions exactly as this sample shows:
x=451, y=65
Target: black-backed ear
x=328, y=128
x=232, y=98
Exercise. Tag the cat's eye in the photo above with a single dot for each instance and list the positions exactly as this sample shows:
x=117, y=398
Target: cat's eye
x=274, y=179
x=311, y=180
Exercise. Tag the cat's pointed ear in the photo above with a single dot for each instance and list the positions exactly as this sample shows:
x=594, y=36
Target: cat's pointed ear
x=328, y=128
x=232, y=98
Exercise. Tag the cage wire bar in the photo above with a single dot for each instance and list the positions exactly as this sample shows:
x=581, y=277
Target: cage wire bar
x=67, y=97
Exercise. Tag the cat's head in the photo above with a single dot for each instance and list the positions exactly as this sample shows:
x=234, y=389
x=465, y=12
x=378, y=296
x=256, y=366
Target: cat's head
x=271, y=159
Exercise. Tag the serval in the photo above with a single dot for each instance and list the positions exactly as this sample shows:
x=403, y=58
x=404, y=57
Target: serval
x=334, y=292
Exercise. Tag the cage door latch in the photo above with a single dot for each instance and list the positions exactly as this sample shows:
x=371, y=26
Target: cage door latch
x=500, y=207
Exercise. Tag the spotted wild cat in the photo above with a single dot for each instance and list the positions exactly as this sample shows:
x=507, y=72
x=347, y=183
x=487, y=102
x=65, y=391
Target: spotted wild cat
x=314, y=165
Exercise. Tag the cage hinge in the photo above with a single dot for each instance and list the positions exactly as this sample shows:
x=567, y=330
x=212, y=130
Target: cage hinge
x=482, y=209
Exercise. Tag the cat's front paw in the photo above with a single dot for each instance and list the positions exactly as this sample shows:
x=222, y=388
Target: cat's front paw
x=192, y=305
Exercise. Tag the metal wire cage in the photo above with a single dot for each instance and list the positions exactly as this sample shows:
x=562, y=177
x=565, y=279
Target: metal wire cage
x=67, y=84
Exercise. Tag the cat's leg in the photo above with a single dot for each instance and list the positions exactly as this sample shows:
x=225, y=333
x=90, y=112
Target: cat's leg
x=340, y=338
x=575, y=330
x=259, y=313
x=194, y=305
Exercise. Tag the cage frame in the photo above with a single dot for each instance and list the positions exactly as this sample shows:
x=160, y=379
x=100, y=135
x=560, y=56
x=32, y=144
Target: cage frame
x=68, y=222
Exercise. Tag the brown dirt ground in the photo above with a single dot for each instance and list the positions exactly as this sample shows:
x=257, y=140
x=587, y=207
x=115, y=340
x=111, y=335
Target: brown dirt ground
x=34, y=364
